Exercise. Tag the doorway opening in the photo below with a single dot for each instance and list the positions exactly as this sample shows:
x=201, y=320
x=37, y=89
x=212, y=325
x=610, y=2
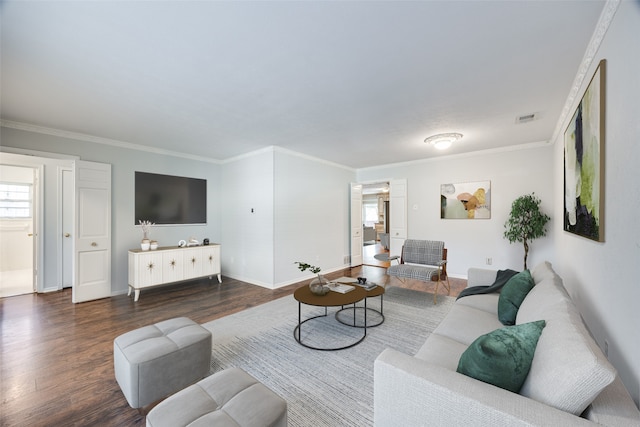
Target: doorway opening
x=375, y=222
x=18, y=243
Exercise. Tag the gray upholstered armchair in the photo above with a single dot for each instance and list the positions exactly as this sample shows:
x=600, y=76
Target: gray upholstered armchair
x=424, y=260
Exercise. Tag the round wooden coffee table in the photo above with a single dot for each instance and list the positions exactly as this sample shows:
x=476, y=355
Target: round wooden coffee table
x=332, y=299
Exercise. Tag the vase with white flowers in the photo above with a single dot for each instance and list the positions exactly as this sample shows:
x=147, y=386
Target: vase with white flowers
x=146, y=230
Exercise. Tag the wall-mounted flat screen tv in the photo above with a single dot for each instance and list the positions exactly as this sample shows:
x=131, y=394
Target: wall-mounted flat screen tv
x=167, y=199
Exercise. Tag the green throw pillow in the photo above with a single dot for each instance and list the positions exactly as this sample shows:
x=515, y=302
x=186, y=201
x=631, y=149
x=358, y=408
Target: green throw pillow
x=512, y=295
x=502, y=357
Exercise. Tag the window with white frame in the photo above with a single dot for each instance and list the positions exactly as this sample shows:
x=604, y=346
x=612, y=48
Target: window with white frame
x=370, y=212
x=16, y=200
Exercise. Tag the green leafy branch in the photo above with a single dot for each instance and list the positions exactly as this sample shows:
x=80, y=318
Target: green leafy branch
x=303, y=266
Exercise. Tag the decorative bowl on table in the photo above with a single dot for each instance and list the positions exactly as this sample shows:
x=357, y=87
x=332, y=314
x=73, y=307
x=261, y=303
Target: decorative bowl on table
x=319, y=286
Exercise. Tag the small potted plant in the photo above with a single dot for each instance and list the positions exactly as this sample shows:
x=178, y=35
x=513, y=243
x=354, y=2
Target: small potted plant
x=319, y=285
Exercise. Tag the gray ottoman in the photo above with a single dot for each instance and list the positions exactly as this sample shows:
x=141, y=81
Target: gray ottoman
x=227, y=398
x=155, y=361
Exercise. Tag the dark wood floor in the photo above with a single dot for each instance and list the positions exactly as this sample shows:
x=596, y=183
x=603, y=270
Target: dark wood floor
x=56, y=358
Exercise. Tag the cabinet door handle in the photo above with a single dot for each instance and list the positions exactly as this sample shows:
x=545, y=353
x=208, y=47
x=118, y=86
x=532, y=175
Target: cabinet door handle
x=67, y=235
x=94, y=244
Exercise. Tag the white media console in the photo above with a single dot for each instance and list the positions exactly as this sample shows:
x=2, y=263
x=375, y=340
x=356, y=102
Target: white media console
x=171, y=264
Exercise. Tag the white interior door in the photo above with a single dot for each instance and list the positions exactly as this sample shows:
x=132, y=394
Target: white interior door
x=37, y=228
x=92, y=236
x=67, y=227
x=356, y=224
x=397, y=215
x=20, y=229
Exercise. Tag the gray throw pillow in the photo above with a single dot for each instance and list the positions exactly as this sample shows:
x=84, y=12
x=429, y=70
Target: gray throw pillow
x=512, y=295
x=502, y=357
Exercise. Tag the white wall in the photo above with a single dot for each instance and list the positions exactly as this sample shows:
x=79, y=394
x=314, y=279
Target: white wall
x=300, y=213
x=124, y=161
x=247, y=218
x=312, y=215
x=604, y=278
x=469, y=242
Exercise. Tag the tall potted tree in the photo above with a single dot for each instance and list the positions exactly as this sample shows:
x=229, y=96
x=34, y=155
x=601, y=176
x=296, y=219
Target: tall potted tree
x=526, y=222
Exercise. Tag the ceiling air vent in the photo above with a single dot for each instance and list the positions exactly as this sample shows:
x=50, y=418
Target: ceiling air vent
x=526, y=118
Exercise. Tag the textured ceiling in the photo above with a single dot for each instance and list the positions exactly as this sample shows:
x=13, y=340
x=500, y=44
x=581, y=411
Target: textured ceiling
x=358, y=83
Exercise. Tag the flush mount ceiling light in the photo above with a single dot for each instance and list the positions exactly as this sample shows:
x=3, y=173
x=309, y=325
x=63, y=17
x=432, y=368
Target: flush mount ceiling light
x=443, y=140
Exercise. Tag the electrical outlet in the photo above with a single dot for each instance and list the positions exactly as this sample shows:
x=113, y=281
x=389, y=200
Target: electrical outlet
x=489, y=261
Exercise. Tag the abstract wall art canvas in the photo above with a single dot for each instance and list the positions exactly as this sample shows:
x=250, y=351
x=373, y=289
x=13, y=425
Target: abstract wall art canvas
x=584, y=162
x=468, y=200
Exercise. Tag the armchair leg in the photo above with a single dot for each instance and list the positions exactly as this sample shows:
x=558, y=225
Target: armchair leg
x=446, y=285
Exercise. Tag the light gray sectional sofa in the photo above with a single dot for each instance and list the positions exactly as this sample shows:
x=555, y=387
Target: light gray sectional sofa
x=570, y=381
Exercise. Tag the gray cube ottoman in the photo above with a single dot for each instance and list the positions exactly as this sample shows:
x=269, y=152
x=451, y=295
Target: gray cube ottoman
x=227, y=398
x=155, y=361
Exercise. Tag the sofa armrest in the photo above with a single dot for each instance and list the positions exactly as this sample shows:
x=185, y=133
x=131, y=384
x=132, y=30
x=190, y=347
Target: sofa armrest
x=411, y=392
x=614, y=407
x=481, y=277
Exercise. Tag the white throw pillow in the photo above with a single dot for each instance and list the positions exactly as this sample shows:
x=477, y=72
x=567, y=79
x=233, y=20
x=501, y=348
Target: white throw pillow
x=568, y=370
x=542, y=271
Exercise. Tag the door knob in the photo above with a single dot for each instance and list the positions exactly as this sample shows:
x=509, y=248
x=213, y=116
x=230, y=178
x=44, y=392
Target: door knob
x=67, y=235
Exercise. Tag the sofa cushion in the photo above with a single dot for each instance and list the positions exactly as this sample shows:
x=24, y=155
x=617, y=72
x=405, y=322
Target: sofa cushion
x=539, y=302
x=441, y=351
x=542, y=271
x=512, y=295
x=502, y=357
x=484, y=302
x=464, y=324
x=569, y=369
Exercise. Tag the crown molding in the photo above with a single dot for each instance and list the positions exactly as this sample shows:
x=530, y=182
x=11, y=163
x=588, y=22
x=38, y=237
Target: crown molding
x=243, y=156
x=99, y=140
x=277, y=149
x=314, y=159
x=608, y=12
x=490, y=151
x=121, y=144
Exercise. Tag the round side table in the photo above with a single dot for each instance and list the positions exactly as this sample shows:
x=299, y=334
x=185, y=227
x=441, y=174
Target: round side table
x=375, y=292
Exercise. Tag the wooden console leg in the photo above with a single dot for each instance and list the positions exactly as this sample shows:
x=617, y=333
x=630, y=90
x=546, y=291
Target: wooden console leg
x=136, y=295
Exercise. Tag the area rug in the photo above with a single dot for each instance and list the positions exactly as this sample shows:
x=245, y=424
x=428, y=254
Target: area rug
x=323, y=388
